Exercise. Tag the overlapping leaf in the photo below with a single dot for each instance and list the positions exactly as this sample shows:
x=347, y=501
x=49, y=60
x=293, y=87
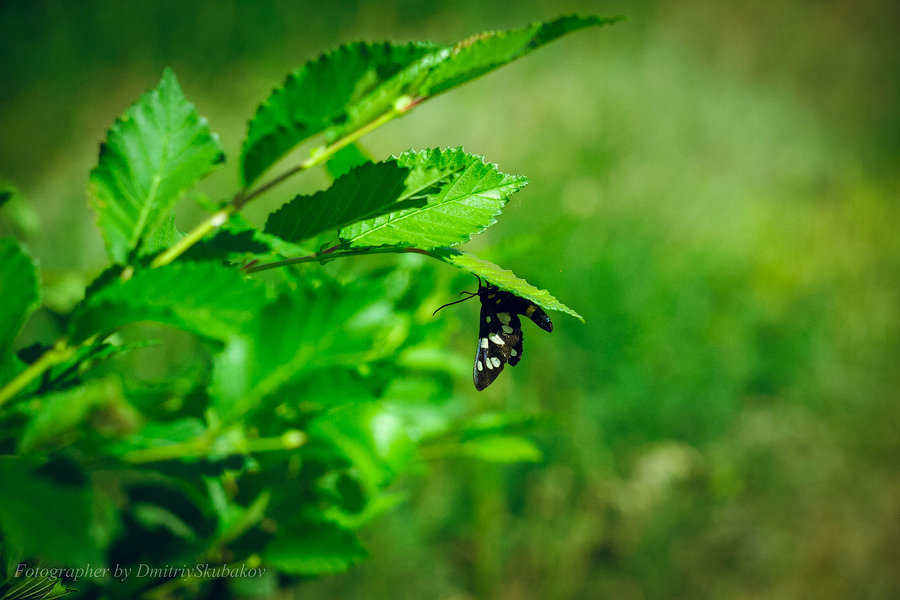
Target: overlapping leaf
x=356, y=84
x=504, y=279
x=365, y=191
x=157, y=150
x=204, y=298
x=19, y=292
x=464, y=195
x=316, y=96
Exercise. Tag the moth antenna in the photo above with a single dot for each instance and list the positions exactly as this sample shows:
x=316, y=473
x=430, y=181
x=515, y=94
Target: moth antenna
x=469, y=297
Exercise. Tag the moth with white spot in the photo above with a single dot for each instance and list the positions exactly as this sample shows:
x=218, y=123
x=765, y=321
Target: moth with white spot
x=500, y=331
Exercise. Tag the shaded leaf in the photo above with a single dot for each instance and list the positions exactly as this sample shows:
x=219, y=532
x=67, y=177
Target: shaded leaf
x=463, y=196
x=45, y=518
x=364, y=192
x=346, y=159
x=152, y=154
x=204, y=298
x=19, y=291
x=63, y=412
x=314, y=549
x=504, y=279
x=316, y=96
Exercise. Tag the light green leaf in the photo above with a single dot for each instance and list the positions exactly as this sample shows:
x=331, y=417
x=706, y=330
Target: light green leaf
x=19, y=291
x=316, y=96
x=358, y=84
x=366, y=191
x=205, y=298
x=464, y=195
x=502, y=449
x=504, y=279
x=152, y=154
x=314, y=549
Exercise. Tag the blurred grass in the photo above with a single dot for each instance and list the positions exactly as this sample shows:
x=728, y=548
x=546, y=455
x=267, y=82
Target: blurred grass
x=714, y=187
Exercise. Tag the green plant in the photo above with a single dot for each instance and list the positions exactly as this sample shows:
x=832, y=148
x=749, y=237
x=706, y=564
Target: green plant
x=310, y=391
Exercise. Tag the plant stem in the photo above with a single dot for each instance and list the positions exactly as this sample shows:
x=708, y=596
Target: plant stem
x=328, y=255
x=59, y=352
x=201, y=446
x=220, y=217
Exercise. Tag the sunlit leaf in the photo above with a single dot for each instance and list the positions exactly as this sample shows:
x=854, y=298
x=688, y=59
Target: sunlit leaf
x=504, y=279
x=463, y=196
x=502, y=449
x=357, y=84
x=159, y=148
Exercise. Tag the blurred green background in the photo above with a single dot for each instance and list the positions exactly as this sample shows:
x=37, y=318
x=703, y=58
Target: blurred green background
x=714, y=187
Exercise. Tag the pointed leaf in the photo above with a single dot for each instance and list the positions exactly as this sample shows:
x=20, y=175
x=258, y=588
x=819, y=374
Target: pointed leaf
x=316, y=96
x=504, y=279
x=484, y=52
x=363, y=192
x=464, y=195
x=157, y=150
x=205, y=298
x=357, y=84
x=19, y=292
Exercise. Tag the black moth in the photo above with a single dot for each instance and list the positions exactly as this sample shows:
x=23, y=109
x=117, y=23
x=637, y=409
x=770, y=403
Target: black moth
x=499, y=330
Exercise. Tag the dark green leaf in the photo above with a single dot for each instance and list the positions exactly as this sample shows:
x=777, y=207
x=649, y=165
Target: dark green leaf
x=463, y=196
x=366, y=191
x=6, y=194
x=205, y=298
x=157, y=150
x=43, y=518
x=504, y=279
x=316, y=96
x=314, y=549
x=357, y=84
x=19, y=291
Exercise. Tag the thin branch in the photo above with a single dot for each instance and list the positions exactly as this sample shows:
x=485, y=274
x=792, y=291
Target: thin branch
x=330, y=254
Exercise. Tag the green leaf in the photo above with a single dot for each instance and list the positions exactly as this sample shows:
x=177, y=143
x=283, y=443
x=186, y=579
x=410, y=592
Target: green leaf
x=358, y=84
x=463, y=196
x=19, y=290
x=484, y=52
x=364, y=192
x=204, y=298
x=316, y=96
x=36, y=588
x=63, y=412
x=314, y=549
x=152, y=154
x=504, y=279
x=502, y=449
x=43, y=518
x=347, y=158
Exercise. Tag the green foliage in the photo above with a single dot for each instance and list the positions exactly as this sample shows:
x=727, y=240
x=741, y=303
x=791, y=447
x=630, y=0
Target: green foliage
x=504, y=279
x=355, y=85
x=18, y=289
x=295, y=402
x=153, y=153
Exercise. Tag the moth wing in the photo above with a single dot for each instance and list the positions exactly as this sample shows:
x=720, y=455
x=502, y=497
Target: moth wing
x=498, y=343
